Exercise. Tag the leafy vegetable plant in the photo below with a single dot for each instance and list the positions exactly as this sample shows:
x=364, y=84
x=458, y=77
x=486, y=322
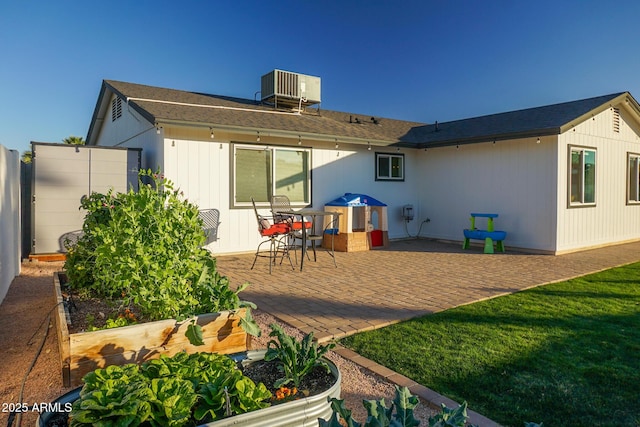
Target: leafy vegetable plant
x=404, y=404
x=145, y=249
x=378, y=414
x=295, y=358
x=169, y=391
x=450, y=417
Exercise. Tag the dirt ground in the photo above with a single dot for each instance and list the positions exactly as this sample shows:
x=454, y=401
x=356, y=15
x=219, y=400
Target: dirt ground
x=28, y=338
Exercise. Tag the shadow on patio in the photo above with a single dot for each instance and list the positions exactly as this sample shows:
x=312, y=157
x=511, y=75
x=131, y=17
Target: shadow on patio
x=409, y=278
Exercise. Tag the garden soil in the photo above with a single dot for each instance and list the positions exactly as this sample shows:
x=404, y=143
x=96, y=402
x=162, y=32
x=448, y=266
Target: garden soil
x=30, y=369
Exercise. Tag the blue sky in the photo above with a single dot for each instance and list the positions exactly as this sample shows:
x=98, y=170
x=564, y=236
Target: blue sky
x=413, y=60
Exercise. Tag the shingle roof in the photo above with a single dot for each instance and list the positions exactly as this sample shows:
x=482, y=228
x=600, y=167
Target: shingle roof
x=546, y=120
x=216, y=110
x=158, y=104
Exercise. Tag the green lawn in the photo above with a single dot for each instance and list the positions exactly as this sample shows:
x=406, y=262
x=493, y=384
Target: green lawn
x=566, y=354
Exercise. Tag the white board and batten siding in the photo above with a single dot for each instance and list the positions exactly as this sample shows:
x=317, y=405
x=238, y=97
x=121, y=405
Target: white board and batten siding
x=611, y=220
x=131, y=130
x=514, y=178
x=202, y=170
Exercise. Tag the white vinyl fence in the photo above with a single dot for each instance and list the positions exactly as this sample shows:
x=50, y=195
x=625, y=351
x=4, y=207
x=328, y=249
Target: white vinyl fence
x=10, y=240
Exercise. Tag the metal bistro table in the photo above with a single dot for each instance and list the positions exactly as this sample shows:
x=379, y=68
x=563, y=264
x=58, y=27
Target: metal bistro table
x=312, y=235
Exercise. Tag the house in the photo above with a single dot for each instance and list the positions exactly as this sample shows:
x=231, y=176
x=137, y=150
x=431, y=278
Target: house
x=562, y=177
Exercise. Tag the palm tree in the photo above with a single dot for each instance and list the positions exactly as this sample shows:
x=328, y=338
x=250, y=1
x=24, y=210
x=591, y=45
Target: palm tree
x=27, y=157
x=73, y=140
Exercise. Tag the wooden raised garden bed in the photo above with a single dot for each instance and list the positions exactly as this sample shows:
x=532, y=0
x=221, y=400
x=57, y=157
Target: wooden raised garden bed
x=83, y=352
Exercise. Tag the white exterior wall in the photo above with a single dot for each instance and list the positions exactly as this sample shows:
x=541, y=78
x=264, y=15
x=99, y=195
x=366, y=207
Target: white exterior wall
x=133, y=131
x=353, y=171
x=515, y=179
x=202, y=170
x=611, y=220
x=524, y=182
x=9, y=218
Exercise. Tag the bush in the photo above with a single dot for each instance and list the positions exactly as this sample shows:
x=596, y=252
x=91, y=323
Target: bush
x=144, y=249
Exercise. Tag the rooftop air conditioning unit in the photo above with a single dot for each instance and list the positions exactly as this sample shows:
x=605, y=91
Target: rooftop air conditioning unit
x=290, y=89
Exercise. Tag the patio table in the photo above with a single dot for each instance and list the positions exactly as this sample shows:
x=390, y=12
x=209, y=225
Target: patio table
x=311, y=235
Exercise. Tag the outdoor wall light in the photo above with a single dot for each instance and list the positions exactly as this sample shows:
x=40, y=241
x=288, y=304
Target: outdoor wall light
x=258, y=138
x=299, y=140
x=337, y=145
x=369, y=146
x=212, y=135
x=538, y=141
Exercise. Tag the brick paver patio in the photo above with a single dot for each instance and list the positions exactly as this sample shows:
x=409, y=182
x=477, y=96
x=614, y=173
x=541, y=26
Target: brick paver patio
x=409, y=278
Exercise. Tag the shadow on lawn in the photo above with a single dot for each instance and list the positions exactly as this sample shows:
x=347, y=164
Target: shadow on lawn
x=573, y=371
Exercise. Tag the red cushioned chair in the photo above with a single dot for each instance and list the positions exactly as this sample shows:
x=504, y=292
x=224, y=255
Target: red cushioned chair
x=276, y=235
x=280, y=203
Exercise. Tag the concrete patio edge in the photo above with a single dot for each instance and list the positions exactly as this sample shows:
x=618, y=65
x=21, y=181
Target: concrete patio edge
x=433, y=399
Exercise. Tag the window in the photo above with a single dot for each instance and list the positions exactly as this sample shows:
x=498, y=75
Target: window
x=582, y=177
x=261, y=172
x=389, y=167
x=633, y=178
x=116, y=109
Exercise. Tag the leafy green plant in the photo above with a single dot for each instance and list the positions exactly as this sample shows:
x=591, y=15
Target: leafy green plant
x=378, y=414
x=145, y=249
x=450, y=417
x=116, y=402
x=404, y=404
x=169, y=391
x=295, y=358
x=172, y=401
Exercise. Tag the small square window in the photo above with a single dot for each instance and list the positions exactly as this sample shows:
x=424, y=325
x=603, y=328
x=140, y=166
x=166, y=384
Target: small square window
x=389, y=167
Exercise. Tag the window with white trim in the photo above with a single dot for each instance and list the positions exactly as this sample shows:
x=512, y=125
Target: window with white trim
x=633, y=178
x=389, y=167
x=261, y=172
x=582, y=176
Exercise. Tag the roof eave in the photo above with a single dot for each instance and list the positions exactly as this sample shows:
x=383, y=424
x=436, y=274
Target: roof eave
x=281, y=133
x=491, y=138
x=626, y=96
x=102, y=107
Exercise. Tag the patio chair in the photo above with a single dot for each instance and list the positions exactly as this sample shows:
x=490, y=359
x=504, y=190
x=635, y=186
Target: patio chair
x=276, y=236
x=210, y=218
x=329, y=232
x=281, y=203
x=68, y=240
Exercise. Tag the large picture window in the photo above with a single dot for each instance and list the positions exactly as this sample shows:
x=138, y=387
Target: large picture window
x=261, y=172
x=582, y=176
x=633, y=178
x=389, y=167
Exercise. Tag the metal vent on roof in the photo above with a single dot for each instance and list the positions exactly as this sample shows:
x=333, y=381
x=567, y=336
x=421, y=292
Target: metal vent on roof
x=290, y=89
x=116, y=109
x=616, y=120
